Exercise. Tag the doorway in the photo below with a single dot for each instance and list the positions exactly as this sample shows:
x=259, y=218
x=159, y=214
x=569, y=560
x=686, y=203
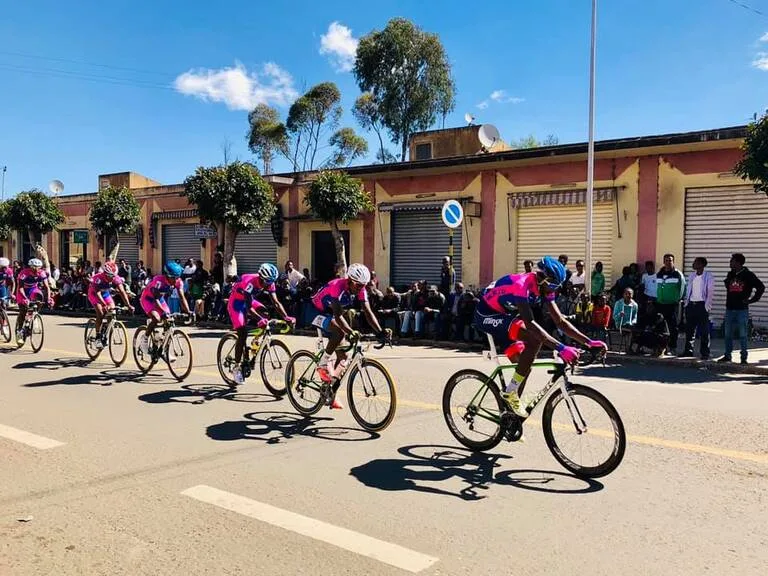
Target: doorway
x=324, y=254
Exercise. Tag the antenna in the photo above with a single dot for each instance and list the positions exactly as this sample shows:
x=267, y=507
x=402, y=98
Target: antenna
x=488, y=136
x=469, y=118
x=56, y=187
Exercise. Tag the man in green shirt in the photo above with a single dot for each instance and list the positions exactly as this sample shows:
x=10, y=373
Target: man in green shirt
x=670, y=290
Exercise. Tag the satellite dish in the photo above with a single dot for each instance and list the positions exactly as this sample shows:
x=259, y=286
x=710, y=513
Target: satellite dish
x=469, y=118
x=56, y=187
x=488, y=135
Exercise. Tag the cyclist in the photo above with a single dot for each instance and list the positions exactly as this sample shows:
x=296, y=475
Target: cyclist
x=243, y=303
x=153, y=298
x=7, y=281
x=28, y=289
x=330, y=302
x=100, y=297
x=505, y=312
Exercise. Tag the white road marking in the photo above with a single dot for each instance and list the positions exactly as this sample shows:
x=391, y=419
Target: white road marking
x=385, y=552
x=39, y=442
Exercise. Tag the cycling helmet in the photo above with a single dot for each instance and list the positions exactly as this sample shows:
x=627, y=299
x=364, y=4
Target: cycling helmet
x=359, y=273
x=4, y=262
x=553, y=269
x=173, y=269
x=35, y=263
x=268, y=272
x=110, y=268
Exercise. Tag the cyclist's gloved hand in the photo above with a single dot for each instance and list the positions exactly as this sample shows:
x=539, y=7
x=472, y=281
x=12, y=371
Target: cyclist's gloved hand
x=568, y=354
x=353, y=336
x=597, y=344
x=262, y=323
x=290, y=319
x=385, y=335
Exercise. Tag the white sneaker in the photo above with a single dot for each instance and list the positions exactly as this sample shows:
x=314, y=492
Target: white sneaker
x=237, y=375
x=144, y=345
x=98, y=344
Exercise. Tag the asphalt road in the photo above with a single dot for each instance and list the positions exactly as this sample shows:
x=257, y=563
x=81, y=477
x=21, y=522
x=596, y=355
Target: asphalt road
x=106, y=472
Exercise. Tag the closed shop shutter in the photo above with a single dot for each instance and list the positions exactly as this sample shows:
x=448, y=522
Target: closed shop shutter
x=180, y=243
x=253, y=249
x=719, y=222
x=129, y=249
x=555, y=230
x=419, y=243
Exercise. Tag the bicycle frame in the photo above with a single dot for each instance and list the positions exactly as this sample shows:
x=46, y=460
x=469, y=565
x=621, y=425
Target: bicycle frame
x=355, y=359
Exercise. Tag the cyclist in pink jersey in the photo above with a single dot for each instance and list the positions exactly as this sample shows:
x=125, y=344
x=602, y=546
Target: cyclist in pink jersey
x=153, y=297
x=243, y=303
x=330, y=302
x=504, y=312
x=28, y=285
x=100, y=297
x=7, y=281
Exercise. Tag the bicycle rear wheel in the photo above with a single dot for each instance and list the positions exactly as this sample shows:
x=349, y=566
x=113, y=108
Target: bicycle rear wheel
x=90, y=340
x=273, y=362
x=142, y=341
x=305, y=389
x=473, y=401
x=37, y=333
x=225, y=357
x=180, y=348
x=576, y=432
x=5, y=326
x=372, y=395
x=118, y=343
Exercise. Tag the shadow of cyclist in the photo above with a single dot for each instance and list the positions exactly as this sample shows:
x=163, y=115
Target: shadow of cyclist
x=55, y=364
x=201, y=393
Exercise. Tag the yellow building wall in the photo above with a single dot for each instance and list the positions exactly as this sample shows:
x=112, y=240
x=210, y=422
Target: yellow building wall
x=305, y=241
x=283, y=253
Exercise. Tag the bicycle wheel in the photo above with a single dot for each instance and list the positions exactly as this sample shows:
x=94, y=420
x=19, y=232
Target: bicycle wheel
x=178, y=354
x=273, y=362
x=471, y=399
x=37, y=333
x=303, y=384
x=118, y=343
x=90, y=340
x=603, y=460
x=5, y=326
x=142, y=341
x=225, y=357
x=374, y=401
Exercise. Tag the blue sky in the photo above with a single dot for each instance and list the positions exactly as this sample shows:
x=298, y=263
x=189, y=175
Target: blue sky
x=663, y=66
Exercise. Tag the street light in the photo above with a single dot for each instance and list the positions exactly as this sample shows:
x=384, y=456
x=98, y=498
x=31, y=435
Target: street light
x=591, y=153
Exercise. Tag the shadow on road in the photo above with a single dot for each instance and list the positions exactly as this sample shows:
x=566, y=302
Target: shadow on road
x=103, y=378
x=440, y=464
x=670, y=374
x=274, y=427
x=201, y=393
x=56, y=364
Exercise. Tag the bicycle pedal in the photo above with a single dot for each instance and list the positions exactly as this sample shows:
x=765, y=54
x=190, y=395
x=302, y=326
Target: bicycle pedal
x=512, y=425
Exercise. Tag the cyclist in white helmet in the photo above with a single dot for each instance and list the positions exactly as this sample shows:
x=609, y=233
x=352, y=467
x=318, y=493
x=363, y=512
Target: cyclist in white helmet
x=7, y=281
x=28, y=289
x=330, y=302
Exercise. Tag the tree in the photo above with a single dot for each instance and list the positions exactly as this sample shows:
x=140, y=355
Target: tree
x=266, y=135
x=384, y=156
x=408, y=73
x=335, y=197
x=531, y=141
x=347, y=146
x=5, y=224
x=309, y=118
x=38, y=214
x=115, y=210
x=366, y=112
x=754, y=163
x=234, y=197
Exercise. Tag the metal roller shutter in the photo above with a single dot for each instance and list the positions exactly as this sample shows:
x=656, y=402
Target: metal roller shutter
x=555, y=230
x=719, y=222
x=129, y=249
x=253, y=249
x=180, y=243
x=419, y=242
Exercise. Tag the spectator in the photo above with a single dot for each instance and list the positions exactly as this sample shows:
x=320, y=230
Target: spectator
x=626, y=281
x=294, y=276
x=699, y=293
x=390, y=306
x=598, y=280
x=217, y=270
x=651, y=332
x=648, y=280
x=197, y=288
x=124, y=270
x=138, y=276
x=670, y=290
x=739, y=285
x=528, y=266
x=563, y=259
x=601, y=318
x=451, y=311
x=415, y=303
x=433, y=308
x=579, y=277
x=625, y=310
x=583, y=310
x=447, y=277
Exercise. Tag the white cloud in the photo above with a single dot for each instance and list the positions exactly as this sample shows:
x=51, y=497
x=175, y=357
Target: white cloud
x=339, y=44
x=764, y=37
x=502, y=97
x=761, y=61
x=238, y=88
x=483, y=105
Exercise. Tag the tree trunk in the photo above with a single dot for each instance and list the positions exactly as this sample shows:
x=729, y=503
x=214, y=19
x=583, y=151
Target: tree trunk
x=338, y=240
x=113, y=253
x=404, y=147
x=230, y=262
x=40, y=253
x=381, y=147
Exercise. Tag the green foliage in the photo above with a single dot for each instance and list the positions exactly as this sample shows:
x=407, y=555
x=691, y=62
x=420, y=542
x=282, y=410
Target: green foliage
x=531, y=141
x=335, y=196
x=267, y=136
x=366, y=112
x=347, y=146
x=35, y=212
x=754, y=163
x=409, y=75
x=384, y=156
x=5, y=223
x=309, y=119
x=115, y=210
x=235, y=195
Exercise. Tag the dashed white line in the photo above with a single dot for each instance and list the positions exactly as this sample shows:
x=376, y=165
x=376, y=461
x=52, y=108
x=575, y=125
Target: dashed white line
x=385, y=552
x=24, y=437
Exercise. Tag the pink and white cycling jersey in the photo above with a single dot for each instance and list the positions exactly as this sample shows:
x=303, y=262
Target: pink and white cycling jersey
x=102, y=283
x=336, y=291
x=250, y=284
x=6, y=276
x=29, y=279
x=512, y=289
x=160, y=284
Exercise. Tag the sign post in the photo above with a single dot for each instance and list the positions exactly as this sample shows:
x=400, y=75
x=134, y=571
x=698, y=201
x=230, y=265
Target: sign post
x=453, y=215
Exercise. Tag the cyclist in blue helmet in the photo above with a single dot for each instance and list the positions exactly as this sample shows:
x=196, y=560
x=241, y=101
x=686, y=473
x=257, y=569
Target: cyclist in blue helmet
x=153, y=297
x=505, y=312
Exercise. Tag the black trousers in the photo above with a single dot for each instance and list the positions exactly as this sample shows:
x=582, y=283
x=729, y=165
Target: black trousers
x=669, y=311
x=696, y=316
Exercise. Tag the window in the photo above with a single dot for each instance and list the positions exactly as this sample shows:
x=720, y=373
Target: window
x=424, y=151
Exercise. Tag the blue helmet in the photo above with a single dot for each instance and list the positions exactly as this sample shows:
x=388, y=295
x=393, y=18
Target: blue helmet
x=173, y=269
x=269, y=273
x=553, y=269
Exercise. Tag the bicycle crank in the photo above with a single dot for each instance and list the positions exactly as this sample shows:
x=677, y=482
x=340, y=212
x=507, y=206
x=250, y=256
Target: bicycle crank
x=512, y=426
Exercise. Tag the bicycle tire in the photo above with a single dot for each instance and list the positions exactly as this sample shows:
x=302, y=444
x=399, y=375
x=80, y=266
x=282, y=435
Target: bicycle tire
x=271, y=386
x=90, y=334
x=6, y=329
x=113, y=329
x=390, y=415
x=173, y=365
x=147, y=366
x=36, y=319
x=478, y=446
x=289, y=379
x=222, y=371
x=617, y=454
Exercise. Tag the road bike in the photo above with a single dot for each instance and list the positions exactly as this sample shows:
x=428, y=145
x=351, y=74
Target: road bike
x=33, y=327
x=271, y=354
x=370, y=387
x=112, y=335
x=6, y=330
x=170, y=344
x=492, y=422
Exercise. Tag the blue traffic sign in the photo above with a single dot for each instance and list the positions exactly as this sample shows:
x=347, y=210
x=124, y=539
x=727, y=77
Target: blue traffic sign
x=453, y=214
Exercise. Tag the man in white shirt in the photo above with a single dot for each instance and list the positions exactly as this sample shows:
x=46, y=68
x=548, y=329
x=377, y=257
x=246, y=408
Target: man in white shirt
x=648, y=281
x=293, y=275
x=577, y=279
x=699, y=293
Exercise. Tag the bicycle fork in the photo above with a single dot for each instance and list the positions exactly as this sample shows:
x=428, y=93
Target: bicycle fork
x=576, y=418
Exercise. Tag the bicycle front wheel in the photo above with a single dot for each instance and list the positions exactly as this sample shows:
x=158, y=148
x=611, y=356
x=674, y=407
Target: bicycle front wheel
x=585, y=427
x=372, y=395
x=304, y=386
x=118, y=343
x=472, y=408
x=90, y=340
x=37, y=333
x=5, y=327
x=225, y=357
x=178, y=354
x=273, y=362
x=142, y=354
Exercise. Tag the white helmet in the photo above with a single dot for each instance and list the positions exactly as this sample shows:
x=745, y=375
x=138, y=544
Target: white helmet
x=35, y=263
x=4, y=262
x=359, y=273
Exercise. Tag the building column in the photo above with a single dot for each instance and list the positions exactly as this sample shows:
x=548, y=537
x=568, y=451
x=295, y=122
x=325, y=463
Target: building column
x=647, y=208
x=487, y=226
x=293, y=225
x=369, y=228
